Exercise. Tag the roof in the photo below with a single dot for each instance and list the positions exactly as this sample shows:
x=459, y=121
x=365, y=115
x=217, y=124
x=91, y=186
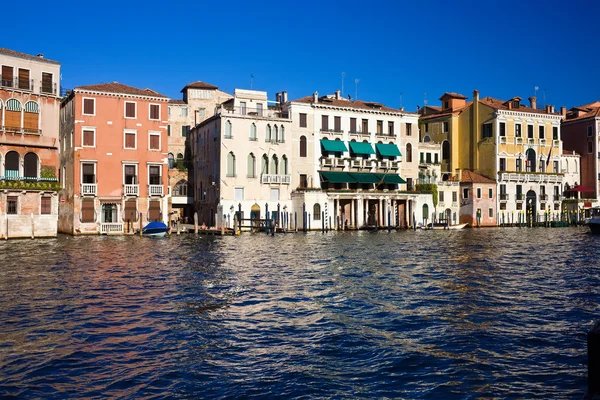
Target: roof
x=115, y=87
x=502, y=105
x=177, y=102
x=570, y=153
x=446, y=112
x=199, y=85
x=468, y=176
x=359, y=104
x=30, y=57
x=590, y=110
x=453, y=95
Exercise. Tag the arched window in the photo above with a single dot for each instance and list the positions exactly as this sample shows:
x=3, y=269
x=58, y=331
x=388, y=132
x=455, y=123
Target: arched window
x=181, y=188
x=590, y=147
x=575, y=165
x=275, y=133
x=12, y=117
x=251, y=167
x=427, y=138
x=425, y=211
x=302, y=146
x=264, y=169
x=274, y=165
x=566, y=166
x=282, y=134
x=31, y=117
x=408, y=152
x=317, y=211
x=445, y=150
x=179, y=156
x=283, y=166
x=30, y=165
x=268, y=133
x=171, y=160
x=230, y=164
x=228, y=129
x=11, y=164
x=531, y=158
x=253, y=131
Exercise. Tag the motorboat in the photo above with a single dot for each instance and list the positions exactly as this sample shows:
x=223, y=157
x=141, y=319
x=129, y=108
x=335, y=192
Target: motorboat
x=594, y=220
x=155, y=228
x=444, y=226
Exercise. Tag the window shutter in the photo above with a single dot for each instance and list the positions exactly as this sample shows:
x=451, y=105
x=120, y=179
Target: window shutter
x=130, y=140
x=88, y=106
x=24, y=79
x=154, y=114
x=154, y=142
x=87, y=210
x=46, y=205
x=7, y=76
x=154, y=211
x=88, y=138
x=130, y=110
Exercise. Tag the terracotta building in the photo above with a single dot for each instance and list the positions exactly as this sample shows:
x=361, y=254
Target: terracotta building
x=29, y=110
x=113, y=140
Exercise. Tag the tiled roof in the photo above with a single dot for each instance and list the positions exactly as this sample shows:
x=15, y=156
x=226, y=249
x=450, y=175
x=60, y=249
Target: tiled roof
x=363, y=105
x=591, y=110
x=446, y=113
x=453, y=95
x=469, y=176
x=199, y=85
x=115, y=87
x=13, y=53
x=177, y=102
x=501, y=105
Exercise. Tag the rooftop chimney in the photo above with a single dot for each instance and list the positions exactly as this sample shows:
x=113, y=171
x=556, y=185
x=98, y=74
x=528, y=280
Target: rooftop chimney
x=315, y=97
x=563, y=111
x=548, y=108
x=532, y=102
x=40, y=55
x=475, y=95
x=284, y=96
x=337, y=94
x=278, y=97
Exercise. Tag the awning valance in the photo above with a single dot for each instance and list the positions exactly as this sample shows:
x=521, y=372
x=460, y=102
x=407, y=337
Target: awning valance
x=361, y=148
x=365, y=177
x=337, y=177
x=334, y=145
x=388, y=150
x=391, y=178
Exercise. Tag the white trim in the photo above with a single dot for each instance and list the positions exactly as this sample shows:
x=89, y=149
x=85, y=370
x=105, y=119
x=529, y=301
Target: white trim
x=120, y=95
x=129, y=162
x=125, y=109
x=88, y=128
x=137, y=172
x=83, y=99
x=150, y=112
x=160, y=174
x=81, y=162
x=125, y=132
x=155, y=133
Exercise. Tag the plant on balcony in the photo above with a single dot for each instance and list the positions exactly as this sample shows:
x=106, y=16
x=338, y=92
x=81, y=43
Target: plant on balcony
x=47, y=172
x=428, y=188
x=24, y=185
x=180, y=165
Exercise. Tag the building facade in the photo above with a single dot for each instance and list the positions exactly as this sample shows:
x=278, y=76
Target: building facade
x=114, y=159
x=29, y=131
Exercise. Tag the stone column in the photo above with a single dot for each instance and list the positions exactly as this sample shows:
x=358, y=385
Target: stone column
x=351, y=223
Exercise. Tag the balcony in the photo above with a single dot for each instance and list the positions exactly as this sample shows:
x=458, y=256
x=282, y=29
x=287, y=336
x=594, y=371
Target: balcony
x=355, y=163
x=542, y=142
x=502, y=139
x=89, y=189
x=384, y=164
x=328, y=162
x=21, y=131
x=395, y=165
x=520, y=197
x=29, y=85
x=108, y=228
x=556, y=143
x=276, y=179
x=543, y=197
x=155, y=190
x=519, y=140
x=504, y=197
x=556, y=198
x=530, y=141
x=131, y=190
x=525, y=177
x=370, y=163
x=253, y=112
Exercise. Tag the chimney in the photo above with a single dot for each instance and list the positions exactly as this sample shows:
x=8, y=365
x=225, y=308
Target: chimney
x=337, y=94
x=459, y=174
x=533, y=104
x=548, y=108
x=563, y=111
x=315, y=97
x=284, y=96
x=278, y=97
x=475, y=95
x=510, y=104
x=40, y=55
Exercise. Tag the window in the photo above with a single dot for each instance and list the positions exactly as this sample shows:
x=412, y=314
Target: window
x=7, y=76
x=89, y=106
x=445, y=127
x=88, y=210
x=46, y=208
x=446, y=105
x=303, y=120
x=47, y=86
x=130, y=174
x=590, y=147
x=337, y=124
x=243, y=107
x=185, y=130
x=168, y=130
x=169, y=110
x=89, y=137
x=408, y=129
x=274, y=165
x=230, y=164
x=154, y=140
x=542, y=165
x=282, y=134
x=154, y=175
x=30, y=166
x=130, y=139
x=589, y=131
x=251, y=166
x=265, y=164
x=556, y=167
x=541, y=131
x=24, y=81
x=441, y=196
x=428, y=158
x=503, y=164
x=275, y=134
x=352, y=125
x=184, y=112
x=454, y=197
x=445, y=150
x=502, y=128
x=268, y=133
x=259, y=109
x=408, y=152
x=555, y=133
x=130, y=109
x=478, y=193
x=530, y=131
x=155, y=112
x=88, y=173
x=154, y=210
x=228, y=130
x=518, y=130
x=486, y=131
x=238, y=193
x=171, y=161
x=324, y=122
x=425, y=211
x=365, y=126
x=11, y=205
x=421, y=157
x=490, y=193
x=491, y=212
x=317, y=212
x=379, y=127
x=303, y=181
x=181, y=188
x=436, y=158
x=465, y=193
x=283, y=166
x=202, y=112
x=302, y=146
x=391, y=128
x=274, y=194
x=253, y=131
x=519, y=164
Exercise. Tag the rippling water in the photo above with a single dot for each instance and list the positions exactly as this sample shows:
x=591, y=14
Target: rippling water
x=490, y=313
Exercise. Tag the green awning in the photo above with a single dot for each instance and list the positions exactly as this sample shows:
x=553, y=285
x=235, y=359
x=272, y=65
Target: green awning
x=391, y=178
x=365, y=177
x=388, y=150
x=337, y=177
x=333, y=145
x=361, y=148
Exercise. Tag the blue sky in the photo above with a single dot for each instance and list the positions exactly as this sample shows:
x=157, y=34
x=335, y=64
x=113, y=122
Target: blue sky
x=398, y=50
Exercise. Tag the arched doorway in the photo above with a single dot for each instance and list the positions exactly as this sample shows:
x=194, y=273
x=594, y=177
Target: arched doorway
x=531, y=210
x=255, y=215
x=448, y=216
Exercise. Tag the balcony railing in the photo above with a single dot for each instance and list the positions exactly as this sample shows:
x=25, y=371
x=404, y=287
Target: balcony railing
x=529, y=177
x=556, y=197
x=131, y=190
x=520, y=197
x=89, y=189
x=277, y=179
x=503, y=139
x=111, y=227
x=384, y=164
x=328, y=162
x=29, y=85
x=543, y=197
x=370, y=163
x=20, y=130
x=504, y=197
x=253, y=112
x=519, y=140
x=355, y=163
x=395, y=164
x=155, y=190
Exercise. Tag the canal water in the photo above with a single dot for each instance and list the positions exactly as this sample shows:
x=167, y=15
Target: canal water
x=489, y=313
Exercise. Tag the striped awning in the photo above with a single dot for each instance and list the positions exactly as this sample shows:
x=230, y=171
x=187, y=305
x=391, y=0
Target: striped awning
x=32, y=107
x=13, y=105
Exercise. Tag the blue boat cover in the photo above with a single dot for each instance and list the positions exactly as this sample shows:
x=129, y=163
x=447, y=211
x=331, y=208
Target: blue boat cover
x=155, y=226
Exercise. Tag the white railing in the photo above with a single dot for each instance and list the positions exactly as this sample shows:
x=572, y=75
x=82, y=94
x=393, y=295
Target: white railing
x=328, y=162
x=155, y=190
x=89, y=189
x=111, y=227
x=384, y=164
x=370, y=163
x=355, y=163
x=525, y=177
x=272, y=178
x=503, y=139
x=131, y=190
x=395, y=164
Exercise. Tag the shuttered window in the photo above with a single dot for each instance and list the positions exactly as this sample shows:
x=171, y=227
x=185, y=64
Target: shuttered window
x=130, y=175
x=24, y=82
x=303, y=121
x=89, y=106
x=130, y=140
x=129, y=109
x=302, y=146
x=12, y=115
x=325, y=122
x=46, y=205
x=88, y=174
x=353, y=125
x=130, y=213
x=87, y=210
x=31, y=119
x=154, y=142
x=47, y=83
x=154, y=111
x=7, y=76
x=337, y=124
x=154, y=211
x=154, y=175
x=88, y=138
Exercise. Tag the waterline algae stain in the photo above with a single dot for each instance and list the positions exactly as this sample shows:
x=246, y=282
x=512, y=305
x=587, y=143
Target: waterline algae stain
x=495, y=313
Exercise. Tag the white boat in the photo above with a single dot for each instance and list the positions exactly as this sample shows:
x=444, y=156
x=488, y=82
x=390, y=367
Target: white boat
x=443, y=226
x=594, y=221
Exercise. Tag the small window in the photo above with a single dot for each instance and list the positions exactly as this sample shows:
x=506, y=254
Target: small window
x=168, y=130
x=155, y=112
x=541, y=131
x=409, y=129
x=185, y=130
x=154, y=175
x=530, y=131
x=555, y=133
x=379, y=127
x=503, y=164
x=490, y=193
x=303, y=181
x=11, y=205
x=502, y=128
x=465, y=193
x=486, y=131
x=130, y=109
x=454, y=197
x=478, y=193
x=184, y=112
x=46, y=208
x=491, y=213
x=445, y=127
x=154, y=141
x=202, y=112
x=130, y=139
x=590, y=131
x=89, y=138
x=518, y=130
x=441, y=196
x=302, y=146
x=317, y=212
x=89, y=106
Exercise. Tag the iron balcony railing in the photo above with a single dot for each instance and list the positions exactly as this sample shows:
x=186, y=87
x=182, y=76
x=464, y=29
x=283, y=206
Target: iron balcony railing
x=520, y=197
x=504, y=197
x=253, y=112
x=29, y=85
x=543, y=197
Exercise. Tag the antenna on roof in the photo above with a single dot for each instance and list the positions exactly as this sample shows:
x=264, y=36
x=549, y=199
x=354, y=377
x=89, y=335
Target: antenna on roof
x=343, y=75
x=425, y=99
x=535, y=89
x=356, y=89
x=251, y=79
x=400, y=99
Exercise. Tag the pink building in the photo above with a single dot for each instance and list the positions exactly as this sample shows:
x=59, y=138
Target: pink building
x=113, y=160
x=477, y=199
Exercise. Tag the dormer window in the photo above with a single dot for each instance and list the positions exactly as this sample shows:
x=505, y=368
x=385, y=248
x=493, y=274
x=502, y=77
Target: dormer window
x=515, y=104
x=446, y=105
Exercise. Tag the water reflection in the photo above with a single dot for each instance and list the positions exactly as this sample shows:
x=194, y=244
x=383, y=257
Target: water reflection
x=477, y=313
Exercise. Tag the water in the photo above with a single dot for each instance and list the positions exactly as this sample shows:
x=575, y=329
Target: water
x=490, y=313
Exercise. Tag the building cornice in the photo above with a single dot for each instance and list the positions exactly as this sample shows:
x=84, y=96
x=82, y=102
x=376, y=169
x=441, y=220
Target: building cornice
x=521, y=114
x=113, y=94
